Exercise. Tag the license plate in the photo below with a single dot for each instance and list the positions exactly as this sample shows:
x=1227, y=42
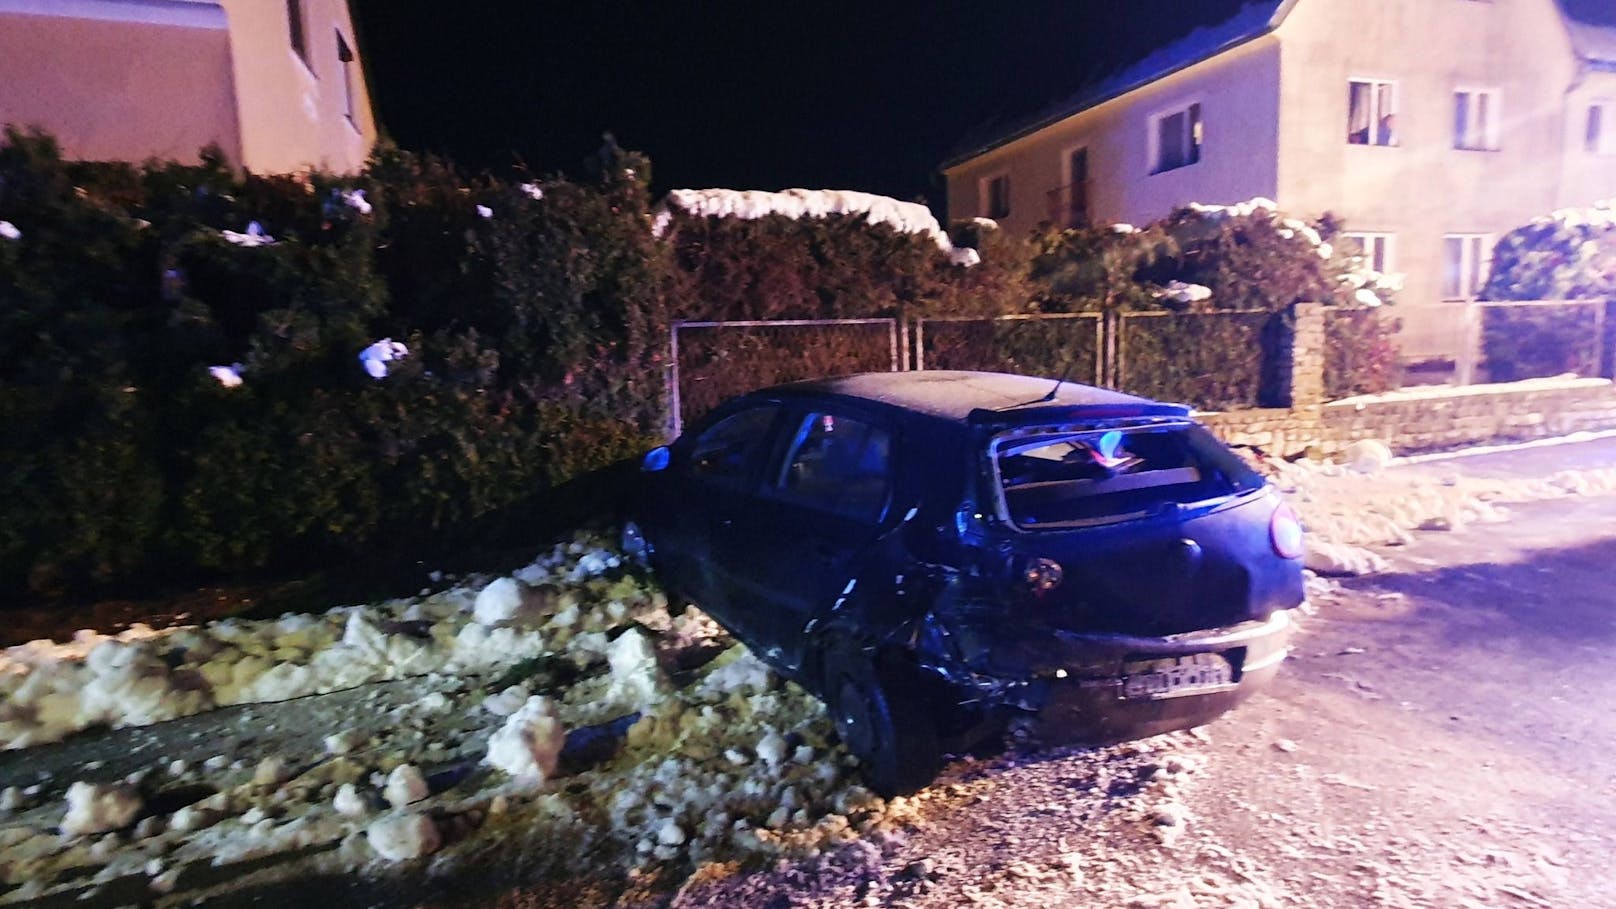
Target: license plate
x=1175, y=677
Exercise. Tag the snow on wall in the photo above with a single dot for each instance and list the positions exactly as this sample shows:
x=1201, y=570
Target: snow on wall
x=904, y=217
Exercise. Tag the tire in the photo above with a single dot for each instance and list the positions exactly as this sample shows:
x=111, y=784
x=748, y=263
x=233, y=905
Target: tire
x=883, y=722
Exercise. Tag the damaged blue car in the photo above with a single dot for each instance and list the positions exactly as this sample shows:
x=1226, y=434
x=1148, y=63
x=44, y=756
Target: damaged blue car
x=935, y=554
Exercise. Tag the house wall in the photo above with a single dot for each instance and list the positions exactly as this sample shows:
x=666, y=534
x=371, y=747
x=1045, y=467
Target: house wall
x=123, y=81
x=1587, y=177
x=1238, y=93
x=292, y=111
x=1423, y=187
x=133, y=79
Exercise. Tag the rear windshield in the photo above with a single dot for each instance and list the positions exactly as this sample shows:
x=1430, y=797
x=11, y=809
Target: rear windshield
x=1063, y=478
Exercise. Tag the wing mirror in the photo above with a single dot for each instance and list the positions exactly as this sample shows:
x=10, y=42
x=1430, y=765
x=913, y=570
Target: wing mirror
x=655, y=460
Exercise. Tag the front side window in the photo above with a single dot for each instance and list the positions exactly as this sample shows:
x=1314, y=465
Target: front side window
x=727, y=451
x=996, y=193
x=1176, y=139
x=1475, y=119
x=1374, y=248
x=1371, y=112
x=1464, y=265
x=1600, y=132
x=838, y=464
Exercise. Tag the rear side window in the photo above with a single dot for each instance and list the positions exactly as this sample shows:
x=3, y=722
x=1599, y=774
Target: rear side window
x=727, y=451
x=1054, y=478
x=838, y=464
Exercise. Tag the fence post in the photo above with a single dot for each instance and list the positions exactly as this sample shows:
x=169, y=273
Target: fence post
x=1469, y=344
x=1607, y=340
x=1307, y=356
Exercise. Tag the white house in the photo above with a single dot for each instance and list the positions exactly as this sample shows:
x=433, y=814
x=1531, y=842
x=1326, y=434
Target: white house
x=1428, y=126
x=279, y=85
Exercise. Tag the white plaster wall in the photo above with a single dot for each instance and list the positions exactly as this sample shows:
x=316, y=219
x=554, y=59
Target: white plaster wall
x=1239, y=97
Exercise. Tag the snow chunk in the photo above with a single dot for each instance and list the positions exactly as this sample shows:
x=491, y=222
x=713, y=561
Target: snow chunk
x=355, y=199
x=254, y=236
x=228, y=376
x=349, y=803
x=484, y=211
x=1367, y=456
x=637, y=679
x=1329, y=558
x=1366, y=297
x=375, y=358
x=533, y=191
x=771, y=749
x=99, y=807
x=404, y=786
x=1180, y=292
x=498, y=603
x=10, y=231
x=404, y=837
x=965, y=258
x=528, y=746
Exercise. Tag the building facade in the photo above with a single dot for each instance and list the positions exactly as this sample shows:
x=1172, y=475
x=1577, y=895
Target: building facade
x=1429, y=127
x=278, y=85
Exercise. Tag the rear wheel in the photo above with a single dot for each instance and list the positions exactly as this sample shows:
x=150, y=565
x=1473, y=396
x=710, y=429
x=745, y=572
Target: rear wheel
x=884, y=722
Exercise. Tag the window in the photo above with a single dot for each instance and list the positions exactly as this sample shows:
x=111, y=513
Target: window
x=1601, y=130
x=727, y=451
x=1475, y=119
x=1374, y=248
x=300, y=35
x=345, y=56
x=1176, y=139
x=996, y=193
x=1464, y=265
x=1371, y=112
x=840, y=465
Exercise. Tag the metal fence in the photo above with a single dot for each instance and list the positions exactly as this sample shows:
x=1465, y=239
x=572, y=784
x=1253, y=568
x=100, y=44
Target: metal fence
x=713, y=361
x=1525, y=339
x=1071, y=344
x=1209, y=359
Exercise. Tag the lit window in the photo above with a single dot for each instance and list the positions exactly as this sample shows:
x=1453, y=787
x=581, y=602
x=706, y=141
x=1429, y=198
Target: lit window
x=1371, y=112
x=345, y=56
x=1464, y=265
x=1601, y=132
x=1176, y=139
x=996, y=192
x=300, y=36
x=1475, y=119
x=1374, y=248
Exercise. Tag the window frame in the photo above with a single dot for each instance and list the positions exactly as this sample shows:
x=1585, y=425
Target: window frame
x=799, y=425
x=989, y=200
x=1487, y=130
x=1193, y=136
x=346, y=62
x=754, y=459
x=298, y=32
x=1371, y=129
x=1367, y=240
x=1474, y=265
x=1604, y=143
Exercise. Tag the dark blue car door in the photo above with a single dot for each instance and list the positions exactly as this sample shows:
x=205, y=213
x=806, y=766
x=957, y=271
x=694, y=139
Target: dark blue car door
x=822, y=502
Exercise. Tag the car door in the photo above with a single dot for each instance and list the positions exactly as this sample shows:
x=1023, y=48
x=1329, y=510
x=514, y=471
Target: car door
x=822, y=502
x=716, y=471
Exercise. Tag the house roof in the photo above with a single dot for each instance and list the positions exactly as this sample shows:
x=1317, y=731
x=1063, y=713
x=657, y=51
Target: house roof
x=1592, y=24
x=1255, y=19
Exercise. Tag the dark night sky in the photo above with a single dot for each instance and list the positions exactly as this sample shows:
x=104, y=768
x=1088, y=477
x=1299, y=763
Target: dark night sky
x=763, y=95
x=767, y=94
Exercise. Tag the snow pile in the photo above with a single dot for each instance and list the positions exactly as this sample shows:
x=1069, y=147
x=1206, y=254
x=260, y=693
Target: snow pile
x=9, y=231
x=1372, y=500
x=355, y=199
x=1180, y=292
x=403, y=837
x=528, y=746
x=375, y=358
x=141, y=676
x=484, y=211
x=533, y=191
x=904, y=217
x=254, y=236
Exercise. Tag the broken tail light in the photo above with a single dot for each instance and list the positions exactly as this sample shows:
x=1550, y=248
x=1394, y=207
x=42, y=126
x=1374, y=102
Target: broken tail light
x=1285, y=533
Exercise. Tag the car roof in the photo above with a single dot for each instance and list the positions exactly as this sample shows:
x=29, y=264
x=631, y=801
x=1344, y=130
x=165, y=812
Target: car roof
x=954, y=394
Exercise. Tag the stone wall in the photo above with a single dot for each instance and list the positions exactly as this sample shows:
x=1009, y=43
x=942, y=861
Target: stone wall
x=1427, y=418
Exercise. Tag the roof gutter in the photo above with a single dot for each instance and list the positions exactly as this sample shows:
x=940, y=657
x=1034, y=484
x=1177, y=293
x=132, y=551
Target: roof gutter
x=1274, y=22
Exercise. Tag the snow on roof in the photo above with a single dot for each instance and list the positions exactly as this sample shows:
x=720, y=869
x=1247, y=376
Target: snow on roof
x=1592, y=25
x=1254, y=19
x=953, y=394
x=904, y=217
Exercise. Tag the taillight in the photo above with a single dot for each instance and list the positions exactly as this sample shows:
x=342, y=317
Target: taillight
x=1285, y=533
x=1042, y=575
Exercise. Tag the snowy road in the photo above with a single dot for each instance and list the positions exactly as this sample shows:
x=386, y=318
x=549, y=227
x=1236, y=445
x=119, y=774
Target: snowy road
x=1439, y=739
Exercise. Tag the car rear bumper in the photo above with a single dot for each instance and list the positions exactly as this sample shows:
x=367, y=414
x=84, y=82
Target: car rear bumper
x=1115, y=687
